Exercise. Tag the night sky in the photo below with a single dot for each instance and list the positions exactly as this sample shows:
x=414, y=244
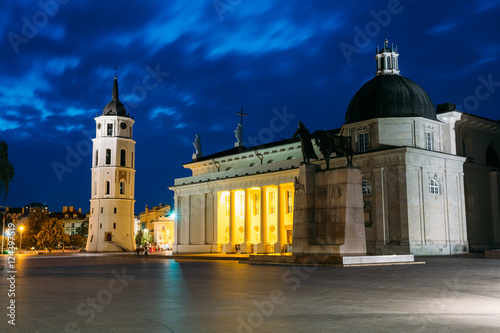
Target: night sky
x=187, y=67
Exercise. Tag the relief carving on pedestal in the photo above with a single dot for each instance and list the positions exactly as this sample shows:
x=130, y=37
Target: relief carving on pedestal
x=336, y=192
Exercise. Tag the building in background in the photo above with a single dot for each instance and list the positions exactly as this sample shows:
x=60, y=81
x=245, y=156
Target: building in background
x=43, y=207
x=158, y=223
x=71, y=219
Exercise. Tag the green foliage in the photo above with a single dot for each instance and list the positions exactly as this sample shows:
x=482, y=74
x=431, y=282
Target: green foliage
x=51, y=234
x=142, y=238
x=32, y=226
x=138, y=237
x=6, y=169
x=83, y=229
x=77, y=241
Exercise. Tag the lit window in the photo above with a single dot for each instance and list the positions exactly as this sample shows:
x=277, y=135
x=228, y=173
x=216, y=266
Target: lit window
x=428, y=141
x=256, y=204
x=108, y=156
x=240, y=204
x=364, y=144
x=272, y=202
x=289, y=201
x=433, y=186
x=366, y=187
x=228, y=204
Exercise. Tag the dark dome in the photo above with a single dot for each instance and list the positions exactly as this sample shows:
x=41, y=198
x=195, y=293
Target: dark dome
x=114, y=108
x=389, y=96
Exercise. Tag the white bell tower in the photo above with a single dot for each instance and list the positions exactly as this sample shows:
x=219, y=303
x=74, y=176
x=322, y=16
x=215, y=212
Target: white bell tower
x=111, y=225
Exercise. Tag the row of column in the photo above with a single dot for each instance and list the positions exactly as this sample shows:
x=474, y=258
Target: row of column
x=280, y=206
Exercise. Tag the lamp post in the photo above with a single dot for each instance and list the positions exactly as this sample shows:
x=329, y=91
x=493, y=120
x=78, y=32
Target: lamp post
x=21, y=242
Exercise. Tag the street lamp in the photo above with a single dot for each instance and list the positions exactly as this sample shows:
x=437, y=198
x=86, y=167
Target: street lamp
x=21, y=242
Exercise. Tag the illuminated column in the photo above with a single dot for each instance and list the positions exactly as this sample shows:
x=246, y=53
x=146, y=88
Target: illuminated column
x=281, y=236
x=230, y=245
x=177, y=225
x=215, y=243
x=246, y=247
x=187, y=220
x=262, y=246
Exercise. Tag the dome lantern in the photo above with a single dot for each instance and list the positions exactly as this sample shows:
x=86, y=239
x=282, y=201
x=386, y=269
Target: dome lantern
x=389, y=94
x=387, y=60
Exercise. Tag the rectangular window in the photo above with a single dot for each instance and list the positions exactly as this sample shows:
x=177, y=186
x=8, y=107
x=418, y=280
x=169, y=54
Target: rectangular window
x=96, y=157
x=256, y=204
x=228, y=204
x=102, y=209
x=289, y=202
x=115, y=210
x=429, y=145
x=122, y=157
x=272, y=203
x=363, y=142
x=110, y=129
x=114, y=225
x=108, y=156
x=241, y=202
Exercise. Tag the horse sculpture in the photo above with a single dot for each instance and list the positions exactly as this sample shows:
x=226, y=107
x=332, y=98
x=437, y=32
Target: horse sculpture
x=329, y=143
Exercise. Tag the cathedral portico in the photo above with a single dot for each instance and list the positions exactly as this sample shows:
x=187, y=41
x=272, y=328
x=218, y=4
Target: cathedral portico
x=249, y=214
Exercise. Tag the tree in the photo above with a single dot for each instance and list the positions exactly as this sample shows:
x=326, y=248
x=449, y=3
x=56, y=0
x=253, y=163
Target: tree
x=83, y=229
x=51, y=234
x=6, y=169
x=138, y=237
x=77, y=240
x=142, y=238
x=32, y=226
x=146, y=238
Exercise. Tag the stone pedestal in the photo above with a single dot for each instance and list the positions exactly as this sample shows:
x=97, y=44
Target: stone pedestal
x=328, y=212
x=246, y=247
x=278, y=247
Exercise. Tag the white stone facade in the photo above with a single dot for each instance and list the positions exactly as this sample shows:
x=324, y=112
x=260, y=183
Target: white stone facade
x=111, y=224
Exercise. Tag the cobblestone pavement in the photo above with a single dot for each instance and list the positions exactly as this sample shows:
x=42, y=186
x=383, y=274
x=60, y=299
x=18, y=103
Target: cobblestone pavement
x=130, y=293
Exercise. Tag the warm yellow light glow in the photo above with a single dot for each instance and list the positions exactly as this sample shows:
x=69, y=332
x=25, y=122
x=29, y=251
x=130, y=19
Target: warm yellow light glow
x=21, y=228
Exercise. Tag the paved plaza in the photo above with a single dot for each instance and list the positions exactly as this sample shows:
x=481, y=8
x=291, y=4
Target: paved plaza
x=130, y=293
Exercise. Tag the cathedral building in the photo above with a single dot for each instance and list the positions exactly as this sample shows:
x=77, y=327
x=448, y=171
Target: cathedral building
x=111, y=223
x=430, y=179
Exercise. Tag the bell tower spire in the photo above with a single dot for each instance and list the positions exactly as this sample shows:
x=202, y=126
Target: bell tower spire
x=115, y=90
x=387, y=60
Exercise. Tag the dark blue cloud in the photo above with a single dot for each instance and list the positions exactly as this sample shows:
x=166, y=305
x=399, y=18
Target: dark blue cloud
x=271, y=58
